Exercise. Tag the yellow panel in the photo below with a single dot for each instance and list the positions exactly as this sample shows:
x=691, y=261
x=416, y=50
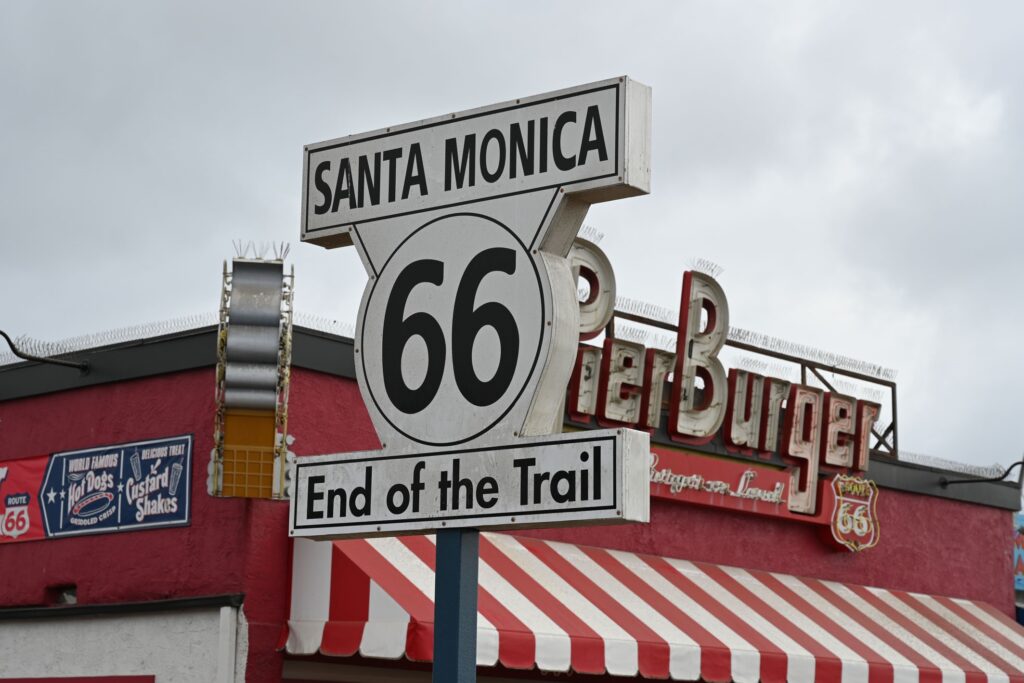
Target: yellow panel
x=249, y=428
x=248, y=464
x=248, y=472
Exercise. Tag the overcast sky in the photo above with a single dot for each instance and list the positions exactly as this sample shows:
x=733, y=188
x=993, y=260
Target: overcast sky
x=857, y=168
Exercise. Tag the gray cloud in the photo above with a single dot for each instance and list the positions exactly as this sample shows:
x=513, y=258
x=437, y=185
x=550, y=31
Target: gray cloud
x=855, y=167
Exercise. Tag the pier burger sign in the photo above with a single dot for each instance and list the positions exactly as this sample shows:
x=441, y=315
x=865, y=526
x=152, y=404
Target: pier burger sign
x=812, y=432
x=468, y=325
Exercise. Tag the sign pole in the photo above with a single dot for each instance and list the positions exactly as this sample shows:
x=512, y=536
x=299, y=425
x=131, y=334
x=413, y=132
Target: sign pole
x=467, y=331
x=455, y=593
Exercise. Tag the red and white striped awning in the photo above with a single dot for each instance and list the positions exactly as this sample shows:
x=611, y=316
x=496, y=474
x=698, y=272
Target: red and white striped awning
x=560, y=607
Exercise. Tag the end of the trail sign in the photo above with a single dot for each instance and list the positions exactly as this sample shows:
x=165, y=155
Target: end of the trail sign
x=592, y=139
x=468, y=326
x=566, y=479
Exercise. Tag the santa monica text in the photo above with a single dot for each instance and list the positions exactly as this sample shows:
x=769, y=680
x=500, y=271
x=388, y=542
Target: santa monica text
x=465, y=158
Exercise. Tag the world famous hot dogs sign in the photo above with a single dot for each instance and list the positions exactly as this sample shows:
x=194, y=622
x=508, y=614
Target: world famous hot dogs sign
x=123, y=487
x=800, y=452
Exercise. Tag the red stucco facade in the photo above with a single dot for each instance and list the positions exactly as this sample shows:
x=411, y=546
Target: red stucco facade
x=928, y=544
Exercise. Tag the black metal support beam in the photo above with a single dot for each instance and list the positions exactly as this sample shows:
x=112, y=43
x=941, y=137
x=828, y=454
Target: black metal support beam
x=944, y=482
x=82, y=366
x=174, y=604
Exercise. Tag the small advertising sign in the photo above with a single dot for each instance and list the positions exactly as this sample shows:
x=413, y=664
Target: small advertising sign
x=20, y=519
x=854, y=519
x=846, y=504
x=723, y=483
x=115, y=488
x=124, y=487
x=750, y=486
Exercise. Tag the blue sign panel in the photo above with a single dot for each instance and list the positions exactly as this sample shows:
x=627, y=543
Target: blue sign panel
x=125, y=487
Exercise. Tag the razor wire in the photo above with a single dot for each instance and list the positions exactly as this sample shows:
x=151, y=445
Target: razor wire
x=150, y=330
x=985, y=471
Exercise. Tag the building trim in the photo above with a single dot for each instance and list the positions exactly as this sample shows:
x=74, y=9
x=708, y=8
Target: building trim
x=71, y=611
x=178, y=352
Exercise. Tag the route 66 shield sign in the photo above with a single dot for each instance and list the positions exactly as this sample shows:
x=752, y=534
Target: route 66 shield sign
x=15, y=521
x=854, y=519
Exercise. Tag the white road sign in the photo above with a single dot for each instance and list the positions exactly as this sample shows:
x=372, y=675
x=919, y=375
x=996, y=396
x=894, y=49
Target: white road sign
x=468, y=326
x=590, y=137
x=532, y=482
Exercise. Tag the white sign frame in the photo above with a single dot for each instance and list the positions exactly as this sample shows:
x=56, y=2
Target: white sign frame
x=630, y=176
x=460, y=274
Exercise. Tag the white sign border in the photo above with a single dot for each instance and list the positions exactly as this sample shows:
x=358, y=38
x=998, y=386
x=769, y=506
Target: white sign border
x=632, y=170
x=361, y=337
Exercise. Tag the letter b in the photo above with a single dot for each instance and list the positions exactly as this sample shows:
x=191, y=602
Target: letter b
x=697, y=355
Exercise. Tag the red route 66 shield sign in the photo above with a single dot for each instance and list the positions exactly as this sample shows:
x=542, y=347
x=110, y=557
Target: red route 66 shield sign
x=854, y=518
x=15, y=520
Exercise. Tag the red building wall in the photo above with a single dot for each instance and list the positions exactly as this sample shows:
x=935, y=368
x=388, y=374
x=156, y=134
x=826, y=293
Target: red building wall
x=232, y=546
x=928, y=544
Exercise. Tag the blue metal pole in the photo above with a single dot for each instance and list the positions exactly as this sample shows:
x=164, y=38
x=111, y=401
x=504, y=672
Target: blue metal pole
x=455, y=587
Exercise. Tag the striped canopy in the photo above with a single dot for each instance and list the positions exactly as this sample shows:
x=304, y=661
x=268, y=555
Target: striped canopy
x=561, y=607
